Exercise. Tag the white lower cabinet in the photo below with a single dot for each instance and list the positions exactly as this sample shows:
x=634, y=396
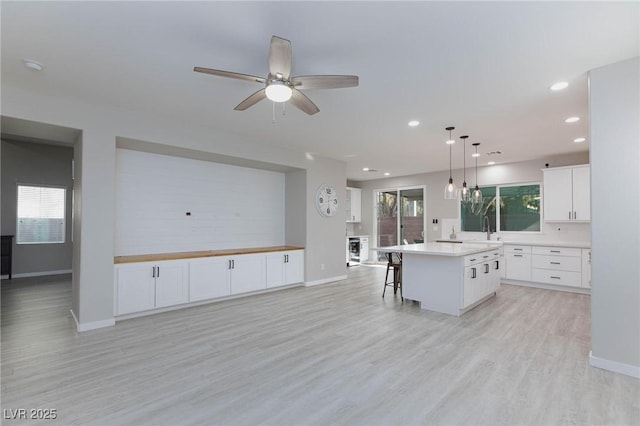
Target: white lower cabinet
x=144, y=286
x=481, y=277
x=209, y=278
x=148, y=285
x=247, y=273
x=586, y=268
x=284, y=268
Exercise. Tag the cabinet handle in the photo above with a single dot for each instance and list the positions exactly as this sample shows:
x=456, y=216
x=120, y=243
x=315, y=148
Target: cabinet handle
x=229, y=263
x=158, y=273
x=517, y=249
x=472, y=260
x=569, y=215
x=554, y=263
x=153, y=272
x=517, y=255
x=484, y=257
x=555, y=278
x=497, y=264
x=554, y=251
x=233, y=264
x=486, y=268
x=574, y=215
x=473, y=272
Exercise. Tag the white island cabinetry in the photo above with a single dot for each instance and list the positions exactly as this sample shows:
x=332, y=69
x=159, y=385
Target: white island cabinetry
x=449, y=278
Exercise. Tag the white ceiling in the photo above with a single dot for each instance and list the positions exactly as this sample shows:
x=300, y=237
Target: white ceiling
x=484, y=67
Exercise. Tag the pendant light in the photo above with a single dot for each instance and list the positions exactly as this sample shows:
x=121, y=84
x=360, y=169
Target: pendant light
x=450, y=190
x=465, y=192
x=476, y=195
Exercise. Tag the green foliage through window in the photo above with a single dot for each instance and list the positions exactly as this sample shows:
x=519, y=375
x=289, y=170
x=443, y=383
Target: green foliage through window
x=509, y=208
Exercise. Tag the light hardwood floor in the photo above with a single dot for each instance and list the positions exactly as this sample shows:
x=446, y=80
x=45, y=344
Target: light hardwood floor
x=330, y=354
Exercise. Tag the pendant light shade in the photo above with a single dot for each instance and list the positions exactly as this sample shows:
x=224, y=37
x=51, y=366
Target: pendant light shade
x=450, y=189
x=476, y=195
x=465, y=192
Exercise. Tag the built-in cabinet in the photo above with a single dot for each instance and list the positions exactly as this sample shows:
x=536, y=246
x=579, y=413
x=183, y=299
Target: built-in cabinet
x=561, y=266
x=145, y=286
x=481, y=276
x=354, y=205
x=567, y=194
x=148, y=285
x=284, y=268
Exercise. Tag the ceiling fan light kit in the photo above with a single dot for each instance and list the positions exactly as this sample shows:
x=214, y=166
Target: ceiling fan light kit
x=280, y=86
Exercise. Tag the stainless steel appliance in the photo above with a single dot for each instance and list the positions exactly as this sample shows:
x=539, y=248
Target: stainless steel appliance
x=354, y=251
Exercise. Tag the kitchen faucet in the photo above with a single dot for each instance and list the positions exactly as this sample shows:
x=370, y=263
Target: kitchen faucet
x=486, y=224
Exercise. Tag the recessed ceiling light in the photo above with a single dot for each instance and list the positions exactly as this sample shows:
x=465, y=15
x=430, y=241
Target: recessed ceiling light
x=559, y=86
x=491, y=163
x=32, y=65
x=572, y=119
x=578, y=140
x=413, y=123
x=387, y=173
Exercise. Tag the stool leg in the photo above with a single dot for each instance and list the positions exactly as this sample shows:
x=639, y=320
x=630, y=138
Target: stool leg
x=386, y=278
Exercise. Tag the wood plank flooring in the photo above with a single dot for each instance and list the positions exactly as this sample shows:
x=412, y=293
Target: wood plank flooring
x=331, y=354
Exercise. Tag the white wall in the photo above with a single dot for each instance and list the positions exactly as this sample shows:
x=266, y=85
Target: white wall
x=229, y=207
x=438, y=208
x=95, y=184
x=615, y=214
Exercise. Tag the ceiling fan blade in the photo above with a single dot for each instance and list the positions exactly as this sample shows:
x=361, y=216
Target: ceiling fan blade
x=251, y=100
x=325, y=81
x=230, y=74
x=300, y=101
x=280, y=57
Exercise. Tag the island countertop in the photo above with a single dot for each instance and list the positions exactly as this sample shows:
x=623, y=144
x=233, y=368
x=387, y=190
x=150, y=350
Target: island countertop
x=440, y=249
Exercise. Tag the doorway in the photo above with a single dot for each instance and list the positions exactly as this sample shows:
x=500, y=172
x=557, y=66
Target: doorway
x=400, y=216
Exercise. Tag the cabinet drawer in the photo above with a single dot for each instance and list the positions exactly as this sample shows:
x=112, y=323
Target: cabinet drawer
x=518, y=266
x=472, y=259
x=560, y=263
x=558, y=251
x=509, y=248
x=567, y=278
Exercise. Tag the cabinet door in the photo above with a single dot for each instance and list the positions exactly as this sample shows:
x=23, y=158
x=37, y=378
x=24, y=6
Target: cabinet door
x=518, y=266
x=275, y=269
x=209, y=278
x=558, y=195
x=135, y=288
x=248, y=273
x=172, y=284
x=294, y=268
x=581, y=193
x=356, y=205
x=364, y=249
x=472, y=281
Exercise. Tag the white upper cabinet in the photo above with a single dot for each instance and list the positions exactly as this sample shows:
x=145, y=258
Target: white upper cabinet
x=354, y=204
x=567, y=194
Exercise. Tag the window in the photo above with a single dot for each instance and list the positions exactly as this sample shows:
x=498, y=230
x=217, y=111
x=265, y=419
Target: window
x=509, y=208
x=41, y=214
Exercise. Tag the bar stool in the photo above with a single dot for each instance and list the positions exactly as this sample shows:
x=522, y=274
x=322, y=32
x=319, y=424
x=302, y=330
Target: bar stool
x=394, y=261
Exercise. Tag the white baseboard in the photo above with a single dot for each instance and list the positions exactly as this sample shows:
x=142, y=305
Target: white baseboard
x=616, y=367
x=93, y=325
x=325, y=280
x=37, y=274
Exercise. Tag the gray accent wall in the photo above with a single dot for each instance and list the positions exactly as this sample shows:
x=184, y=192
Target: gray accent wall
x=615, y=213
x=38, y=164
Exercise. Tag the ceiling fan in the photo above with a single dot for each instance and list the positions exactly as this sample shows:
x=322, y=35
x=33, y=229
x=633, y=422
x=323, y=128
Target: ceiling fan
x=280, y=86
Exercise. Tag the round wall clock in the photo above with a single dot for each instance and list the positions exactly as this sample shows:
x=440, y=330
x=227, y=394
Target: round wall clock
x=327, y=200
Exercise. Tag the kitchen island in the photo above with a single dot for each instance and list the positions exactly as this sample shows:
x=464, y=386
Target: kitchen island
x=447, y=277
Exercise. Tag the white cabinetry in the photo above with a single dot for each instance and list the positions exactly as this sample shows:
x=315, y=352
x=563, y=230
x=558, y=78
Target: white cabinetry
x=354, y=205
x=586, y=268
x=481, y=276
x=284, y=268
x=557, y=265
x=247, y=273
x=209, y=278
x=567, y=194
x=518, y=262
x=148, y=285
